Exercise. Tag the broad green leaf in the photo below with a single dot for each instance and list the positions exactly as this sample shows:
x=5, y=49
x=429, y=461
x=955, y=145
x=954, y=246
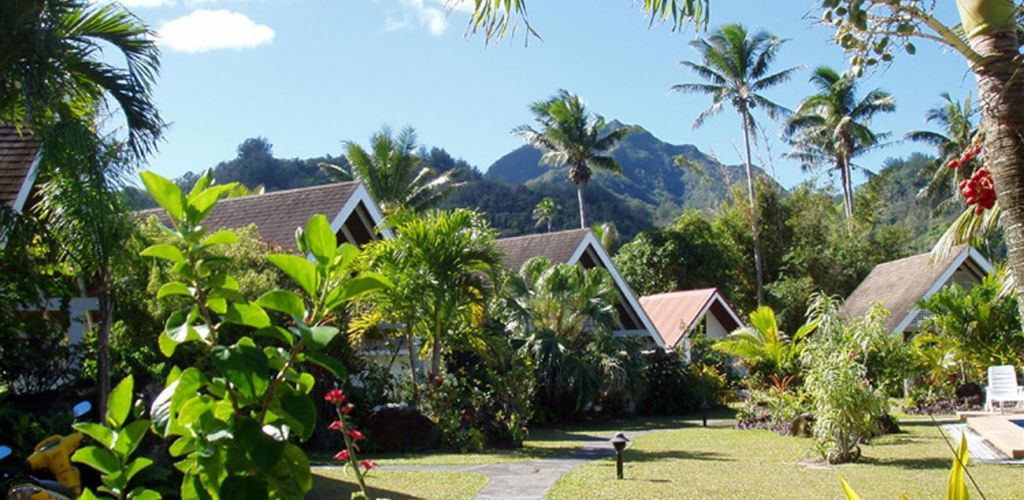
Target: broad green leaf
x=130, y=436
x=222, y=280
x=222, y=237
x=87, y=494
x=247, y=487
x=248, y=314
x=330, y=364
x=244, y=366
x=321, y=241
x=957, y=485
x=120, y=402
x=292, y=475
x=165, y=193
x=299, y=269
x=143, y=494
x=299, y=412
x=99, y=433
x=164, y=251
x=173, y=288
x=181, y=446
x=305, y=382
x=318, y=337
x=356, y=287
x=202, y=183
x=284, y=301
x=217, y=305
x=276, y=332
x=200, y=204
x=97, y=458
x=136, y=466
x=347, y=253
x=176, y=331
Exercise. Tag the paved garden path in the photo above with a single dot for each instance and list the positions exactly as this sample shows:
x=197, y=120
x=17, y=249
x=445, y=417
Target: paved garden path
x=528, y=479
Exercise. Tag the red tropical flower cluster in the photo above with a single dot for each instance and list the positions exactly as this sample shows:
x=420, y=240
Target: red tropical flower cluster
x=339, y=399
x=966, y=157
x=335, y=396
x=979, y=190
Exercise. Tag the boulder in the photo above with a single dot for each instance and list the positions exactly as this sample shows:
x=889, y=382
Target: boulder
x=399, y=427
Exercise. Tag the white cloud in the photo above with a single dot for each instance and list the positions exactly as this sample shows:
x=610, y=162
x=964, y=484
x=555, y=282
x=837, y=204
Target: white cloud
x=430, y=14
x=205, y=30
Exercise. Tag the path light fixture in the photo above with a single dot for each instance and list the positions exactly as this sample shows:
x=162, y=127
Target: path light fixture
x=620, y=442
x=704, y=407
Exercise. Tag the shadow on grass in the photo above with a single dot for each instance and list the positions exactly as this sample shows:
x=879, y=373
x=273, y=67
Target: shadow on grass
x=331, y=488
x=909, y=463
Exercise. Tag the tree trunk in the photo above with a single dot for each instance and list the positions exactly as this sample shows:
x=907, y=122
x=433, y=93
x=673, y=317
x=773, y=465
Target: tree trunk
x=1001, y=99
x=844, y=169
x=412, y=366
x=579, y=195
x=106, y=306
x=755, y=232
x=435, y=361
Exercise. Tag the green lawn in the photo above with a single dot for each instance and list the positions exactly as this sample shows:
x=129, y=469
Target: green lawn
x=333, y=484
x=696, y=462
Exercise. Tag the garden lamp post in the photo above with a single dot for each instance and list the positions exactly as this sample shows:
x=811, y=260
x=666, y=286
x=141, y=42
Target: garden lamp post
x=620, y=442
x=704, y=407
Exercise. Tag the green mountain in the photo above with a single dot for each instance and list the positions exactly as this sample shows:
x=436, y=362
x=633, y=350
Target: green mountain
x=651, y=175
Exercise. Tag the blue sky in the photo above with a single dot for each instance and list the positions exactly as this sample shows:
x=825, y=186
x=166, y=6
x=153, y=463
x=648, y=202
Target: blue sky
x=308, y=74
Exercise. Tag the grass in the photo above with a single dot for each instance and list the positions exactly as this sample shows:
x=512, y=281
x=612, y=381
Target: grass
x=696, y=462
x=333, y=483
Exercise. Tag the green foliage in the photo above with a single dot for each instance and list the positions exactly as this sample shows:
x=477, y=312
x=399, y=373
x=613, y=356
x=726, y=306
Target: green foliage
x=778, y=408
x=847, y=405
x=979, y=327
x=764, y=349
x=117, y=439
x=956, y=485
x=233, y=419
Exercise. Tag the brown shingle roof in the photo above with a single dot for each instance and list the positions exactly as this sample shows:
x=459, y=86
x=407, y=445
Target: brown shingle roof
x=17, y=153
x=558, y=247
x=899, y=285
x=277, y=214
x=675, y=313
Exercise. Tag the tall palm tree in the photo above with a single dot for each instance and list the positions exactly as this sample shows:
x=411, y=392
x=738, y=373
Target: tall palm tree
x=394, y=174
x=735, y=67
x=572, y=136
x=607, y=234
x=956, y=119
x=832, y=126
x=545, y=211
x=54, y=65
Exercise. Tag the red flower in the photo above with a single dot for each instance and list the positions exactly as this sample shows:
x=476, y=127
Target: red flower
x=347, y=408
x=335, y=396
x=337, y=425
x=356, y=435
x=368, y=464
x=341, y=456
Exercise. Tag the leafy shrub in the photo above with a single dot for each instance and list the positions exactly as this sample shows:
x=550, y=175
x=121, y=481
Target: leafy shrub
x=776, y=409
x=669, y=388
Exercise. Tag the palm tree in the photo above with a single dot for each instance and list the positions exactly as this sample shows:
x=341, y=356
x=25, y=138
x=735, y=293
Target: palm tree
x=607, y=234
x=763, y=348
x=54, y=66
x=832, y=126
x=453, y=259
x=394, y=174
x=570, y=135
x=958, y=130
x=734, y=64
x=545, y=211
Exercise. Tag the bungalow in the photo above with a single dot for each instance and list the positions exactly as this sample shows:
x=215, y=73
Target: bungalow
x=580, y=246
x=900, y=284
x=354, y=216
x=20, y=155
x=676, y=315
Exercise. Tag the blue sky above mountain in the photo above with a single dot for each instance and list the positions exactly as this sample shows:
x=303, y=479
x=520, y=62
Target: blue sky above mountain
x=308, y=74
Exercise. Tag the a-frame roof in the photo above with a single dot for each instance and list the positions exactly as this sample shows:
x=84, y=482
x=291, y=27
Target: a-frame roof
x=676, y=314
x=353, y=213
x=577, y=246
x=900, y=284
x=19, y=160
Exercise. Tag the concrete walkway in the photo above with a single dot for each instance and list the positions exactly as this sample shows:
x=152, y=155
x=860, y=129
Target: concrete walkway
x=531, y=479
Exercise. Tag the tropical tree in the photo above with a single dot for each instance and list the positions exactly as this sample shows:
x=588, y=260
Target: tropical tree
x=832, y=126
x=54, y=65
x=956, y=119
x=447, y=260
x=545, y=211
x=606, y=234
x=572, y=136
x=394, y=174
x=735, y=68
x=567, y=332
x=763, y=348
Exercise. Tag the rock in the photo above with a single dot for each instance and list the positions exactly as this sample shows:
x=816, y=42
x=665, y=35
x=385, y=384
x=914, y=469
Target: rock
x=399, y=427
x=970, y=394
x=802, y=425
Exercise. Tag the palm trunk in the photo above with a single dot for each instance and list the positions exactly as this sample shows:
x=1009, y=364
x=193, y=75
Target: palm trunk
x=844, y=169
x=106, y=311
x=579, y=195
x=754, y=226
x=412, y=365
x=1001, y=97
x=435, y=361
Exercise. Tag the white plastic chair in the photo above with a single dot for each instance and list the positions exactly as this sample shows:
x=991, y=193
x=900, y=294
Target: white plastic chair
x=1002, y=387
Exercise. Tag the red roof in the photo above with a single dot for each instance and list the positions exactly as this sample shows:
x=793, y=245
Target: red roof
x=675, y=313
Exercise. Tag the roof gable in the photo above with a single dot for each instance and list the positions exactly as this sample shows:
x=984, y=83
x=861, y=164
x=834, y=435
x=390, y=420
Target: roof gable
x=19, y=160
x=900, y=284
x=279, y=213
x=576, y=246
x=676, y=314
